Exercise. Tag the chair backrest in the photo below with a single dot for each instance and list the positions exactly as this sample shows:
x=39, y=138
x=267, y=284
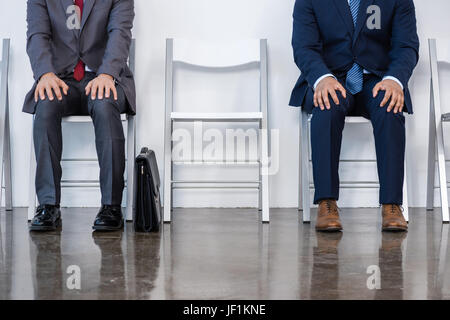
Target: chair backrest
x=216, y=56
x=439, y=55
x=4, y=68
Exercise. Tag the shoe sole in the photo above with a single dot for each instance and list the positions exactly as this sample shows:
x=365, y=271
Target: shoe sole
x=101, y=228
x=58, y=223
x=395, y=229
x=331, y=229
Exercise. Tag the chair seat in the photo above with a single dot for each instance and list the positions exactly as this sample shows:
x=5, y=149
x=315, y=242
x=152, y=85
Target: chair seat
x=352, y=119
x=446, y=117
x=78, y=119
x=226, y=116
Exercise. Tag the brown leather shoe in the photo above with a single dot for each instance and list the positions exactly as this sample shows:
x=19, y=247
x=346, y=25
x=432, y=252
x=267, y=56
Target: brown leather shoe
x=328, y=216
x=393, y=219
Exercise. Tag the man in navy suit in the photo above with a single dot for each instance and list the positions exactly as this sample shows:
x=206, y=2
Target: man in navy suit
x=356, y=58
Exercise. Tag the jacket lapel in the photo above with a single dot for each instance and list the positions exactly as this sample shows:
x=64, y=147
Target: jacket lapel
x=362, y=17
x=344, y=10
x=88, y=4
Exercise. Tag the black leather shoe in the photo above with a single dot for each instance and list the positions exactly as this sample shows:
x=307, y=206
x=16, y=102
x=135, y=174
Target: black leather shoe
x=109, y=219
x=47, y=218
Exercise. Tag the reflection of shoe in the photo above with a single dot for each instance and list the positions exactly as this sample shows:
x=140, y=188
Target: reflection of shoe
x=328, y=216
x=328, y=241
x=47, y=218
x=392, y=240
x=393, y=219
x=109, y=218
x=107, y=240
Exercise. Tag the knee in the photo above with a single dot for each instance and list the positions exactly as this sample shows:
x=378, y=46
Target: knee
x=380, y=113
x=336, y=112
x=104, y=109
x=335, y=108
x=47, y=111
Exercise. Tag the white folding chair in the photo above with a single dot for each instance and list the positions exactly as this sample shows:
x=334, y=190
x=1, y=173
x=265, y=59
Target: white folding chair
x=436, y=136
x=5, y=137
x=131, y=153
x=215, y=58
x=305, y=159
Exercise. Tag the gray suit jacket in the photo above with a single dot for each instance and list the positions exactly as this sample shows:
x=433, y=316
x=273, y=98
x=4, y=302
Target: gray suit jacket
x=102, y=42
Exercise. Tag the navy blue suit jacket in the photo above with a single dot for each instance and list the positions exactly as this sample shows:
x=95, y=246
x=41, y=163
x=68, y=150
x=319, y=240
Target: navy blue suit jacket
x=326, y=41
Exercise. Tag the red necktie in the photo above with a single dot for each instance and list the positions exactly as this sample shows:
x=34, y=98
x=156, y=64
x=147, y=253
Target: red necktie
x=78, y=72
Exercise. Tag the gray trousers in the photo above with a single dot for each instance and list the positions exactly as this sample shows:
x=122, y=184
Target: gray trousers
x=109, y=140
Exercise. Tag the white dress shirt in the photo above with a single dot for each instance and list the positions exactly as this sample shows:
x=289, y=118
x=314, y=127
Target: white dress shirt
x=365, y=72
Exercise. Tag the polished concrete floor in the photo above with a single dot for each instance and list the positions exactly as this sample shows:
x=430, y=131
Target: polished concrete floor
x=226, y=254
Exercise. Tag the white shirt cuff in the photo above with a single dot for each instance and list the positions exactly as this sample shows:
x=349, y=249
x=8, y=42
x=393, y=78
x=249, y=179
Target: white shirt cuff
x=395, y=79
x=321, y=78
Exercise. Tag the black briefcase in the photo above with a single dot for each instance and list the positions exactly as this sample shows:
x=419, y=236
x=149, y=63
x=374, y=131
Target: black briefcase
x=147, y=201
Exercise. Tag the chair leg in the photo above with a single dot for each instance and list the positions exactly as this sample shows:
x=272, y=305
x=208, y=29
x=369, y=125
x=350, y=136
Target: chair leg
x=131, y=153
x=260, y=189
x=168, y=173
x=435, y=105
x=7, y=153
x=304, y=162
x=431, y=169
x=260, y=192
x=442, y=172
x=2, y=136
x=32, y=186
x=405, y=195
x=300, y=163
x=439, y=134
x=264, y=167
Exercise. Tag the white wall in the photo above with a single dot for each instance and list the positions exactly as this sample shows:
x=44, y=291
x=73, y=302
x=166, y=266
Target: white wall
x=157, y=20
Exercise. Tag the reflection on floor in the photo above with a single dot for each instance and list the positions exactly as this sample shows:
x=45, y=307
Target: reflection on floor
x=226, y=254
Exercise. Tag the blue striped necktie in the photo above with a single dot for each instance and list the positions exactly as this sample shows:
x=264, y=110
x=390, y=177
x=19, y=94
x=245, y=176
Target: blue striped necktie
x=355, y=77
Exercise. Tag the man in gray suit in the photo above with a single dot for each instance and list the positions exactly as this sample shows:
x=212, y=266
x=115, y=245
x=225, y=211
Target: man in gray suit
x=78, y=51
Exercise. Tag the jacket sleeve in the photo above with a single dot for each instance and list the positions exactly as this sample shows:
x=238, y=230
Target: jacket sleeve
x=119, y=38
x=404, y=53
x=307, y=43
x=38, y=38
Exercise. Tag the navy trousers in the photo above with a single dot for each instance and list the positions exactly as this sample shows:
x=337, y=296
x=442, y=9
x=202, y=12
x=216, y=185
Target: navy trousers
x=326, y=137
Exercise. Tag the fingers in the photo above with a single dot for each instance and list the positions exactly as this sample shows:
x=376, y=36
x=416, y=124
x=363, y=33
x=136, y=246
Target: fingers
x=399, y=105
x=88, y=88
x=64, y=87
x=56, y=89
x=48, y=90
x=387, y=96
x=320, y=100
x=42, y=92
x=326, y=100
x=376, y=89
x=340, y=88
x=36, y=94
x=114, y=90
x=50, y=86
x=94, y=90
x=394, y=99
x=100, y=90
x=402, y=104
x=334, y=96
x=316, y=99
x=108, y=90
